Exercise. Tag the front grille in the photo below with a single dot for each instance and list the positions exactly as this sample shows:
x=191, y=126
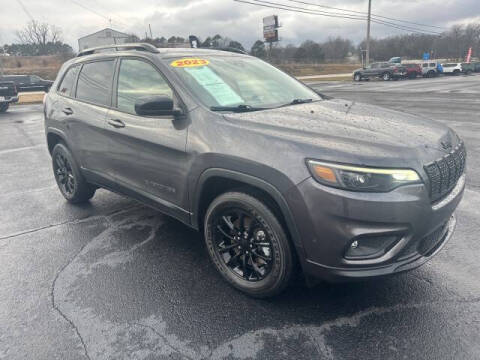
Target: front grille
x=445, y=172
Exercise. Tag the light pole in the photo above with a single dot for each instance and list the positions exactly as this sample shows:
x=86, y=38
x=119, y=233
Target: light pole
x=367, y=57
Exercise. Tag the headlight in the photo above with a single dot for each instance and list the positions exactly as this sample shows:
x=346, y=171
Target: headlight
x=356, y=178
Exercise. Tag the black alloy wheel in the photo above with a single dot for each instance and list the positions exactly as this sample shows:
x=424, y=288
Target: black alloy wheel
x=243, y=244
x=70, y=181
x=248, y=245
x=64, y=174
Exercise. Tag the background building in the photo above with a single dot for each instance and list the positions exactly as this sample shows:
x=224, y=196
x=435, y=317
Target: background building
x=103, y=37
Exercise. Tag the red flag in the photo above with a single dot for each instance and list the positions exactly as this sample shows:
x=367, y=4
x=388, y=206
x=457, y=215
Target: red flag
x=469, y=55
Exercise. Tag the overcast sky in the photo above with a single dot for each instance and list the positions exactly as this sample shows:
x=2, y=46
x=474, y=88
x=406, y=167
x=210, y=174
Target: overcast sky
x=238, y=21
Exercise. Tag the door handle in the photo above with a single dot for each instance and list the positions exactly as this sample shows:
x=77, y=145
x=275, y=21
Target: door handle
x=67, y=111
x=116, y=123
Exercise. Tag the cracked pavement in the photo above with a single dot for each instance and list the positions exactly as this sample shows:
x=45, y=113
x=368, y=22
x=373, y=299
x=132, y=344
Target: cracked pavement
x=113, y=279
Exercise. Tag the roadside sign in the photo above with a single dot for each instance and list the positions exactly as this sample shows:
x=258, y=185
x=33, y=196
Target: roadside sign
x=426, y=56
x=270, y=26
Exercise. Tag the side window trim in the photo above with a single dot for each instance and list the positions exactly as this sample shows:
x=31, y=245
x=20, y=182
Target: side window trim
x=176, y=98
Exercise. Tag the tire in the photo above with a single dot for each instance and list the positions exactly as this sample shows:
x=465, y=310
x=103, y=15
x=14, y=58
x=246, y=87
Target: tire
x=412, y=75
x=4, y=107
x=456, y=72
x=70, y=180
x=357, y=77
x=256, y=259
x=386, y=76
x=431, y=74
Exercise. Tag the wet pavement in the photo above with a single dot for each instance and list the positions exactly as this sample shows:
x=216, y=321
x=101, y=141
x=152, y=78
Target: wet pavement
x=113, y=279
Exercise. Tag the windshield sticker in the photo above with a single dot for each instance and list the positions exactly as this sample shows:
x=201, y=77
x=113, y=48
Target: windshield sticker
x=190, y=62
x=216, y=87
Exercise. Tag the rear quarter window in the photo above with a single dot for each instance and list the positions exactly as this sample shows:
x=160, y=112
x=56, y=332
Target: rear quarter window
x=68, y=82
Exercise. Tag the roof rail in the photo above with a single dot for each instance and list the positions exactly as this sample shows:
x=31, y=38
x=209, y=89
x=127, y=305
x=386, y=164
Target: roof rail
x=120, y=47
x=230, y=49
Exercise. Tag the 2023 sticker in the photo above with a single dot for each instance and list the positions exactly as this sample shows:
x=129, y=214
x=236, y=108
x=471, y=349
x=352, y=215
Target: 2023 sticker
x=190, y=62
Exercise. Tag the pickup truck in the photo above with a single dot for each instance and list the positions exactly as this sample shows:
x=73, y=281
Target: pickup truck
x=8, y=94
x=383, y=70
x=28, y=82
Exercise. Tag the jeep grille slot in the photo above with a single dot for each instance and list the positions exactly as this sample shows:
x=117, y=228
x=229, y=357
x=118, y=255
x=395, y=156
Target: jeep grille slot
x=444, y=173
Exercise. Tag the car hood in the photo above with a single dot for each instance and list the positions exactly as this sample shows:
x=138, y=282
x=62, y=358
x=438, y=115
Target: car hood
x=343, y=130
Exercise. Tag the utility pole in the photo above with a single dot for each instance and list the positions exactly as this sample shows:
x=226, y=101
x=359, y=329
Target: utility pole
x=150, y=27
x=367, y=58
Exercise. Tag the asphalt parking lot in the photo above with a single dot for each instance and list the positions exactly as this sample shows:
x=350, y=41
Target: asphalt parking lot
x=116, y=280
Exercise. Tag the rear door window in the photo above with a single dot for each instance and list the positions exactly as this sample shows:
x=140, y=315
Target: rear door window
x=68, y=81
x=95, y=82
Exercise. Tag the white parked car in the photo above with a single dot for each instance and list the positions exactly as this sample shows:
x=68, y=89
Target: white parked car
x=452, y=68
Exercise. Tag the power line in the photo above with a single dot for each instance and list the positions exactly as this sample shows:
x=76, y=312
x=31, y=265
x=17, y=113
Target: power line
x=25, y=10
x=297, y=9
x=109, y=19
x=334, y=14
x=364, y=13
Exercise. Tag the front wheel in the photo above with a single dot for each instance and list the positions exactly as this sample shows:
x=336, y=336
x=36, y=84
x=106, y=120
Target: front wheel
x=357, y=77
x=4, y=107
x=69, y=179
x=248, y=245
x=386, y=76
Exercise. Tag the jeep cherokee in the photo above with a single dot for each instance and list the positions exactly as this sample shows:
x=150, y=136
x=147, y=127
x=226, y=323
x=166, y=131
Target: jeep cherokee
x=273, y=173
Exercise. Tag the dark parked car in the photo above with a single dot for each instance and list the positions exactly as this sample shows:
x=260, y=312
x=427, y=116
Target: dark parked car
x=8, y=95
x=28, y=82
x=382, y=70
x=272, y=173
x=413, y=70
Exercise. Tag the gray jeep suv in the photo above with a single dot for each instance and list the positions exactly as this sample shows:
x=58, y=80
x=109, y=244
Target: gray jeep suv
x=279, y=178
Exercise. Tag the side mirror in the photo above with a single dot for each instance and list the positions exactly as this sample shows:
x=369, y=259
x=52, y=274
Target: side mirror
x=158, y=105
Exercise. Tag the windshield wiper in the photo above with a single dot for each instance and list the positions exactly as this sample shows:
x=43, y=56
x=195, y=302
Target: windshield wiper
x=238, y=108
x=297, y=101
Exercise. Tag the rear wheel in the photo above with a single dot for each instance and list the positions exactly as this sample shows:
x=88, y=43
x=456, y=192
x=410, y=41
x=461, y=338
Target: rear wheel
x=247, y=244
x=456, y=72
x=69, y=179
x=386, y=76
x=4, y=107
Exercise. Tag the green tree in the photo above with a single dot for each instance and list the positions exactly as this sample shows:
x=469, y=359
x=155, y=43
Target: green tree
x=236, y=45
x=258, y=49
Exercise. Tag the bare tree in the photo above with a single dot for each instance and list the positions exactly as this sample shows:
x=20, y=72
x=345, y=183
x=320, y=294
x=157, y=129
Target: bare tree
x=39, y=34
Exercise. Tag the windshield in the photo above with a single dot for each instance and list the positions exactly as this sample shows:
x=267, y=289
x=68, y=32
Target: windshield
x=228, y=81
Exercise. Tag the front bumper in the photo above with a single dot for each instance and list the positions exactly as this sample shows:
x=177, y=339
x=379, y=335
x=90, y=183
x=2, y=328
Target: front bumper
x=329, y=220
x=9, y=99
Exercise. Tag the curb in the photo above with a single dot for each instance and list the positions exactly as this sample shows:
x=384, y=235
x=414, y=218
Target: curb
x=30, y=98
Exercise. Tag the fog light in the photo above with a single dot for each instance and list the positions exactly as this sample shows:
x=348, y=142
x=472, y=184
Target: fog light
x=366, y=247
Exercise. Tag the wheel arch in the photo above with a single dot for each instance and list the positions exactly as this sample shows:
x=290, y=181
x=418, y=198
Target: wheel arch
x=215, y=181
x=54, y=136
